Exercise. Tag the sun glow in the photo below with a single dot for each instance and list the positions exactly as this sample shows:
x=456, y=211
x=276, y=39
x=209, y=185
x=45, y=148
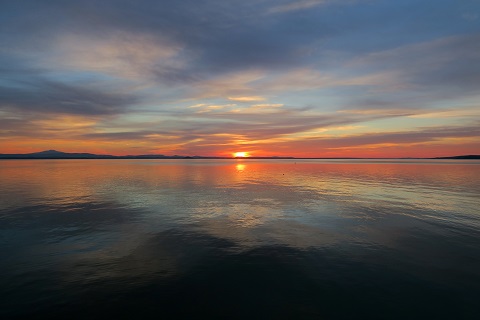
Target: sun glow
x=240, y=154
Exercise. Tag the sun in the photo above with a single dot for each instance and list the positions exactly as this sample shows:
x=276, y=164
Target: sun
x=240, y=154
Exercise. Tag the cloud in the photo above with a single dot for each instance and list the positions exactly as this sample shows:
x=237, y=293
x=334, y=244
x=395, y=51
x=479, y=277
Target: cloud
x=209, y=108
x=246, y=85
x=267, y=105
x=46, y=96
x=448, y=67
x=45, y=126
x=421, y=135
x=296, y=5
x=415, y=142
x=120, y=54
x=247, y=98
x=259, y=108
x=227, y=85
x=469, y=112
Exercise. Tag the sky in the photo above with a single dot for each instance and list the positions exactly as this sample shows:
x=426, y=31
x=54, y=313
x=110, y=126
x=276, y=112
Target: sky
x=306, y=78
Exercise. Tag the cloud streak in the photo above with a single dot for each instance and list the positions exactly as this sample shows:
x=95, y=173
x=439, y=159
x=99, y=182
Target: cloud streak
x=296, y=5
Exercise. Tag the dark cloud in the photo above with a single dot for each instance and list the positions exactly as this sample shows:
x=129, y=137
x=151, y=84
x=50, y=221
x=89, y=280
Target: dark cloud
x=47, y=96
x=236, y=35
x=222, y=36
x=450, y=64
x=420, y=75
x=171, y=76
x=28, y=88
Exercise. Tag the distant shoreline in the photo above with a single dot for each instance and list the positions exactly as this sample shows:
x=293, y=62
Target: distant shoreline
x=53, y=154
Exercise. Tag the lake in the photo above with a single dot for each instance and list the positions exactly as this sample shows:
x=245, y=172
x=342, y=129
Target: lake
x=240, y=239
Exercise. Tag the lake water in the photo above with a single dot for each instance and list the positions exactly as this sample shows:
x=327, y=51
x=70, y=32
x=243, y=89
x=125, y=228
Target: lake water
x=240, y=239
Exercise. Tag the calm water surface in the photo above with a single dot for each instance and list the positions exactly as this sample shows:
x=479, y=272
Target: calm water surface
x=244, y=239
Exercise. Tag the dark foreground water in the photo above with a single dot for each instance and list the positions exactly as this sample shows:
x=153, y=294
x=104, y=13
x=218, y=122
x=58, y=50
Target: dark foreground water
x=251, y=239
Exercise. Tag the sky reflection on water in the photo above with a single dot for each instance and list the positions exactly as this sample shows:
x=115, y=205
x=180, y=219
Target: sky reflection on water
x=239, y=238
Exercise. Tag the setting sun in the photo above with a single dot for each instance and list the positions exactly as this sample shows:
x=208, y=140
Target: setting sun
x=240, y=154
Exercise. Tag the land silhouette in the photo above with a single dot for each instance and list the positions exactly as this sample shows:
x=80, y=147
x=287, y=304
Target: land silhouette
x=54, y=154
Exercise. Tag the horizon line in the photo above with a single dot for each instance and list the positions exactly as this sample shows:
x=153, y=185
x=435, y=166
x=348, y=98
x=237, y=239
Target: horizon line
x=54, y=154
